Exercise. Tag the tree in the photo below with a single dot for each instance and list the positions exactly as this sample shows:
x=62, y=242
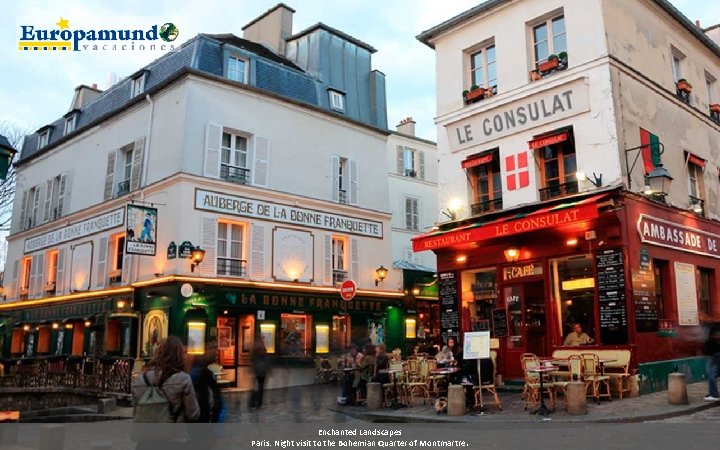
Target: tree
x=15, y=135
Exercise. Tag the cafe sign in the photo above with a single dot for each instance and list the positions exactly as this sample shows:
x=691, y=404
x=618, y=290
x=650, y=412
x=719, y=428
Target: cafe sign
x=527, y=270
x=668, y=234
x=277, y=212
x=307, y=302
x=532, y=222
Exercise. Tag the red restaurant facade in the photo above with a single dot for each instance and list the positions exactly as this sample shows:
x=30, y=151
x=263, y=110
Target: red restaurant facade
x=637, y=274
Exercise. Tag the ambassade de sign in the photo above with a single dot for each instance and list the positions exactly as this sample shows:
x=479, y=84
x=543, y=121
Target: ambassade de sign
x=660, y=232
x=529, y=112
x=77, y=230
x=278, y=212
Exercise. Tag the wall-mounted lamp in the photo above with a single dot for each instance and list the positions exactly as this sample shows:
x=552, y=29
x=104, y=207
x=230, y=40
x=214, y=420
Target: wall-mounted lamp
x=512, y=254
x=416, y=291
x=380, y=273
x=197, y=256
x=571, y=242
x=26, y=327
x=658, y=180
x=629, y=168
x=87, y=324
x=596, y=180
x=120, y=304
x=55, y=325
x=697, y=206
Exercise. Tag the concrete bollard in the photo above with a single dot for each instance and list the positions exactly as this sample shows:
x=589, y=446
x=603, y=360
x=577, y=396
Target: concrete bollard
x=677, y=389
x=374, y=399
x=456, y=400
x=576, y=400
x=106, y=405
x=52, y=437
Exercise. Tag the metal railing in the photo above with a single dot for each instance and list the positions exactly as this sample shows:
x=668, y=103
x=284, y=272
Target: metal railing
x=339, y=276
x=231, y=267
x=559, y=190
x=342, y=196
x=486, y=206
x=98, y=374
x=237, y=175
x=697, y=205
x=123, y=187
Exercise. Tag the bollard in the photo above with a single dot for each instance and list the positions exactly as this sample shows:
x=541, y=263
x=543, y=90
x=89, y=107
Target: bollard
x=374, y=398
x=576, y=400
x=456, y=400
x=104, y=445
x=52, y=437
x=106, y=405
x=677, y=389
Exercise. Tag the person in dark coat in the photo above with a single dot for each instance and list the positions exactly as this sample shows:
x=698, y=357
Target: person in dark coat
x=711, y=349
x=382, y=361
x=260, y=367
x=206, y=387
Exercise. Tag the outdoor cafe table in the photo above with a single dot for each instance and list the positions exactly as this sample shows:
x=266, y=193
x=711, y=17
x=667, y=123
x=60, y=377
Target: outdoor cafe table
x=446, y=372
x=542, y=410
x=393, y=373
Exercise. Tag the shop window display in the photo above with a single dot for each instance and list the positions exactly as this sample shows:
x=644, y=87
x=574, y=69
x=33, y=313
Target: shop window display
x=295, y=335
x=574, y=293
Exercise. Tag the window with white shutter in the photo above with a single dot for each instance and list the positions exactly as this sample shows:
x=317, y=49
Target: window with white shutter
x=64, y=192
x=328, y=260
x=257, y=251
x=412, y=214
x=339, y=259
x=234, y=158
x=51, y=272
x=213, y=140
x=138, y=157
x=354, y=259
x=102, y=257
x=230, y=260
x=262, y=162
x=60, y=274
x=208, y=240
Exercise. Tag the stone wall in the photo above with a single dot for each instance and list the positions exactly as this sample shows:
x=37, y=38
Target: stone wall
x=29, y=399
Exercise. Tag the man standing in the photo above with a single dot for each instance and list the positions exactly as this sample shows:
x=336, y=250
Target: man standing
x=577, y=337
x=711, y=349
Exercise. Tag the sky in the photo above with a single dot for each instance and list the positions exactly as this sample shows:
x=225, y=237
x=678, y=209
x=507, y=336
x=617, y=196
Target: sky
x=37, y=87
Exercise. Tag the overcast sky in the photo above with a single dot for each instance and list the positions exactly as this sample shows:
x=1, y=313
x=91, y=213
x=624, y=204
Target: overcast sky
x=36, y=87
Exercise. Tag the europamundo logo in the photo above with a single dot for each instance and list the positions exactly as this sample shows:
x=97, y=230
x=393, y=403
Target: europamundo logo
x=64, y=38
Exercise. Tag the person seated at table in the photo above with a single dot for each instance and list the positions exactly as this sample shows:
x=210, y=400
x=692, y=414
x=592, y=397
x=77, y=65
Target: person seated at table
x=365, y=372
x=457, y=360
x=578, y=337
x=382, y=362
x=444, y=357
x=348, y=395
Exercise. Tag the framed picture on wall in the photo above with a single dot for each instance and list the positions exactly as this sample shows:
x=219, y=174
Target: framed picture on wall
x=224, y=335
x=196, y=338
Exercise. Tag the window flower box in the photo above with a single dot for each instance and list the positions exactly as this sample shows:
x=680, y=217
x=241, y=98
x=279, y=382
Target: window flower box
x=715, y=107
x=535, y=75
x=684, y=86
x=552, y=63
x=475, y=94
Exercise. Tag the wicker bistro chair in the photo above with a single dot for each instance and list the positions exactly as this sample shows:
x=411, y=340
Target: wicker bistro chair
x=396, y=379
x=594, y=378
x=420, y=384
x=434, y=379
x=489, y=387
x=531, y=392
x=575, y=367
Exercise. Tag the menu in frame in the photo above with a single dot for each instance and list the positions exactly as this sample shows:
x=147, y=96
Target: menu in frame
x=645, y=300
x=610, y=266
x=449, y=313
x=686, y=290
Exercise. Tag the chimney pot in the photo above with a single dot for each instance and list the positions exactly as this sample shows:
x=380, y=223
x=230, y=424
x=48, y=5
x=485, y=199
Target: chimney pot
x=94, y=85
x=697, y=23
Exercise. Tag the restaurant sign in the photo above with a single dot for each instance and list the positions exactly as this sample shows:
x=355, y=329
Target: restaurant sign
x=260, y=209
x=524, y=225
x=78, y=230
x=78, y=310
x=304, y=302
x=679, y=237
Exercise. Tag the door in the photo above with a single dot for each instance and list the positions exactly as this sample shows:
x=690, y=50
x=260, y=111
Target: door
x=246, y=339
x=525, y=303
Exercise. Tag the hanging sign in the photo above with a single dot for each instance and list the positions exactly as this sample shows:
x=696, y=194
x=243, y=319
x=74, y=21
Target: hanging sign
x=172, y=250
x=141, y=232
x=185, y=249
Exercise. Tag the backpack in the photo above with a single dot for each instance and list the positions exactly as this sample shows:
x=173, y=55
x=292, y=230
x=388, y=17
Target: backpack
x=153, y=407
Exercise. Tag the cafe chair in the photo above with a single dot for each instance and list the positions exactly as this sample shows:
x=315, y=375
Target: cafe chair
x=434, y=379
x=419, y=386
x=488, y=387
x=575, y=367
x=531, y=392
x=389, y=388
x=594, y=378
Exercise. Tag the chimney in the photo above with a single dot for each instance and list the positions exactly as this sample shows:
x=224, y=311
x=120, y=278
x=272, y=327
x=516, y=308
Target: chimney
x=111, y=80
x=697, y=24
x=407, y=126
x=271, y=28
x=84, y=95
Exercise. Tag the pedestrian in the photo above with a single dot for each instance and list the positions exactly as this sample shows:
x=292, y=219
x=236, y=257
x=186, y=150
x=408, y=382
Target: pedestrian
x=206, y=387
x=382, y=362
x=166, y=373
x=711, y=349
x=260, y=367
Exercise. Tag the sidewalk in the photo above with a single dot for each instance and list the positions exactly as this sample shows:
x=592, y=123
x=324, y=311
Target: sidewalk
x=648, y=407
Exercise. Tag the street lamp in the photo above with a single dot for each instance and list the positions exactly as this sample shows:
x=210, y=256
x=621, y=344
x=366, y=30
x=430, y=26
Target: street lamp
x=197, y=256
x=658, y=180
x=381, y=273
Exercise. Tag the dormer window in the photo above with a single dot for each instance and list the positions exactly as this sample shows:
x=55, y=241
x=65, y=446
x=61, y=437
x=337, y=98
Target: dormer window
x=43, y=139
x=69, y=124
x=236, y=69
x=337, y=100
x=138, y=85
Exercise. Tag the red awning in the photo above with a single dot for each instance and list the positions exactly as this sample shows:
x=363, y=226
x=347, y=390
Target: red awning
x=547, y=140
x=698, y=161
x=556, y=215
x=477, y=160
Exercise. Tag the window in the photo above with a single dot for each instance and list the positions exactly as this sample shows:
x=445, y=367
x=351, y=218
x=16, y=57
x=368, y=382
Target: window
x=704, y=283
x=549, y=38
x=234, y=159
x=52, y=264
x=412, y=215
x=295, y=334
x=236, y=69
x=119, y=256
x=661, y=273
x=677, y=59
x=710, y=88
x=486, y=181
x=410, y=162
x=69, y=124
x=230, y=260
x=25, y=276
x=339, y=244
x=337, y=100
x=138, y=85
x=126, y=160
x=558, y=169
x=43, y=139
x=55, y=198
x=574, y=294
x=32, y=209
x=483, y=67
x=343, y=180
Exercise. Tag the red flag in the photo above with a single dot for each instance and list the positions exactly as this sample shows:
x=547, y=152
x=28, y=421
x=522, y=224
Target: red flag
x=647, y=150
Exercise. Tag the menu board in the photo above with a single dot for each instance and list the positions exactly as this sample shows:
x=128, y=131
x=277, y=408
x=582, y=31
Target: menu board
x=449, y=314
x=611, y=296
x=645, y=300
x=476, y=345
x=686, y=294
x=500, y=322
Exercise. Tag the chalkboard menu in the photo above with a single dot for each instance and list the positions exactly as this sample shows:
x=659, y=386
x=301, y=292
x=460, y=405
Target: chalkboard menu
x=645, y=300
x=611, y=295
x=500, y=322
x=449, y=314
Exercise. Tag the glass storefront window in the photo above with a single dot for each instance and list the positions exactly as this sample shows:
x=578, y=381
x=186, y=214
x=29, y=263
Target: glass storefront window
x=226, y=340
x=295, y=333
x=340, y=336
x=515, y=319
x=479, y=295
x=573, y=290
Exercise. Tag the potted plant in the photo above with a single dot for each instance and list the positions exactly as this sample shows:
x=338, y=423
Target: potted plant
x=684, y=86
x=552, y=62
x=715, y=107
x=563, y=58
x=535, y=75
x=475, y=93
